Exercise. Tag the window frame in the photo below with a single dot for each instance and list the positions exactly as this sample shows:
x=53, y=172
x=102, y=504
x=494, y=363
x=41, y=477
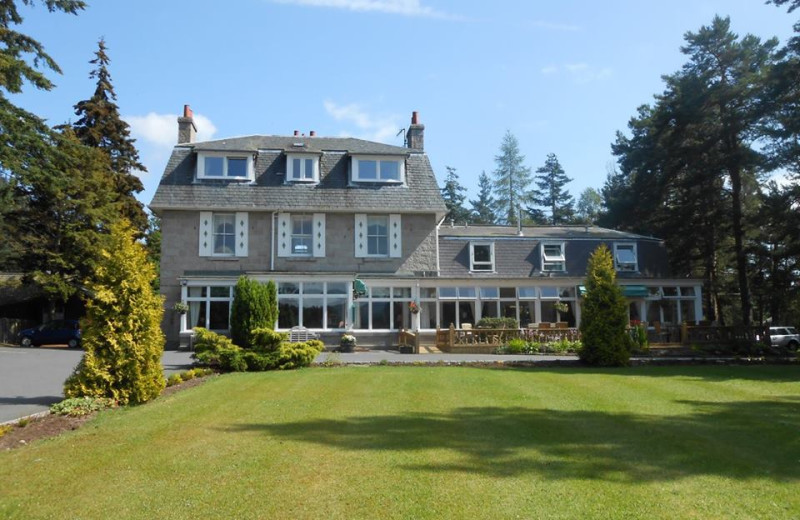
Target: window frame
x=214, y=234
x=378, y=159
x=226, y=157
x=386, y=219
x=557, y=264
x=618, y=265
x=309, y=236
x=473, y=264
x=292, y=176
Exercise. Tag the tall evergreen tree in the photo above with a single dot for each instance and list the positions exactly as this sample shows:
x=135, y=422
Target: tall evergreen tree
x=511, y=180
x=100, y=126
x=688, y=171
x=550, y=193
x=64, y=211
x=454, y=195
x=24, y=138
x=483, y=207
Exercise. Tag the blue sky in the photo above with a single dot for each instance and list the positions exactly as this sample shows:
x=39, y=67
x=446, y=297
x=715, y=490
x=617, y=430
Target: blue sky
x=563, y=77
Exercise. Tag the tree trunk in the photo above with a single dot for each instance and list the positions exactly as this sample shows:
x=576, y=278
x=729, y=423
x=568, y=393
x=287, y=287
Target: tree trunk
x=738, y=239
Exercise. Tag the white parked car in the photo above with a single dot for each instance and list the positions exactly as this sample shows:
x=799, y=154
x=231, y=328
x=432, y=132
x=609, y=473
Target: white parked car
x=786, y=337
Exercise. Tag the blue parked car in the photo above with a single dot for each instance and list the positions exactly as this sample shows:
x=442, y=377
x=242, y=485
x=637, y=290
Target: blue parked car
x=56, y=332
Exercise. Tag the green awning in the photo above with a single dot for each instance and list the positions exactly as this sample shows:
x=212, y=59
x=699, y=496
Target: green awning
x=630, y=291
x=359, y=288
x=634, y=291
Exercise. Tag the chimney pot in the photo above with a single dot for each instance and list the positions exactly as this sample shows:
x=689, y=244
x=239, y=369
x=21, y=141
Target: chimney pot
x=296, y=133
x=415, y=135
x=313, y=133
x=187, y=131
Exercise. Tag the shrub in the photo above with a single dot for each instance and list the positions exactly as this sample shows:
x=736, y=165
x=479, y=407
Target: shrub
x=232, y=360
x=122, y=336
x=267, y=340
x=210, y=346
x=174, y=379
x=498, y=323
x=516, y=346
x=296, y=355
x=4, y=429
x=272, y=304
x=250, y=310
x=604, y=319
x=259, y=361
x=639, y=337
x=79, y=406
x=188, y=375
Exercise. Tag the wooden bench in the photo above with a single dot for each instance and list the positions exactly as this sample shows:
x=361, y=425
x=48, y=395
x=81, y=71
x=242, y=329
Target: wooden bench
x=298, y=334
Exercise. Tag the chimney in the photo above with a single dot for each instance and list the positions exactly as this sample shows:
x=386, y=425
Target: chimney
x=415, y=137
x=297, y=133
x=313, y=133
x=186, y=129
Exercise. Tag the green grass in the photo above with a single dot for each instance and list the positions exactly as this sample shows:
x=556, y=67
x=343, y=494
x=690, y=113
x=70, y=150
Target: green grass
x=432, y=442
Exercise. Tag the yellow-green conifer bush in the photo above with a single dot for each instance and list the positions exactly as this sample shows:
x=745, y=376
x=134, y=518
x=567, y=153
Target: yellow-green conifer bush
x=604, y=314
x=122, y=335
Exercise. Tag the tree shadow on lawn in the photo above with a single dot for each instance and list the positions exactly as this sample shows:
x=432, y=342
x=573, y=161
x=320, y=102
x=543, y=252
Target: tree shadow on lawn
x=773, y=373
x=741, y=440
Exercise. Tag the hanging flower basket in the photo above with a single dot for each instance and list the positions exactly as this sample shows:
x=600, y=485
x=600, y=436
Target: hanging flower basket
x=561, y=307
x=181, y=307
x=413, y=307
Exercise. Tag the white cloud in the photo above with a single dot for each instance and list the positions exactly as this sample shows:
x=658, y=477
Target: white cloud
x=579, y=72
x=401, y=7
x=381, y=128
x=161, y=130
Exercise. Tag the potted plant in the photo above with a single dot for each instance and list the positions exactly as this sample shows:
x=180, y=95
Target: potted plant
x=181, y=307
x=347, y=343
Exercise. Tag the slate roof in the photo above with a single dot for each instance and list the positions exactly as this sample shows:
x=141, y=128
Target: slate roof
x=179, y=189
x=539, y=232
x=520, y=256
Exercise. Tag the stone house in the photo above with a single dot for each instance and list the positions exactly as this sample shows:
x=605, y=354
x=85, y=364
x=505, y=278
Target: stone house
x=353, y=232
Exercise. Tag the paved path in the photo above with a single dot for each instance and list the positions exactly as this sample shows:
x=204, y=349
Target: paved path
x=394, y=356
x=31, y=379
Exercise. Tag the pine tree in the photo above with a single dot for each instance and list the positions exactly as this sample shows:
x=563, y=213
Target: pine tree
x=24, y=138
x=100, y=126
x=122, y=336
x=550, y=192
x=454, y=195
x=483, y=208
x=65, y=206
x=511, y=180
x=604, y=314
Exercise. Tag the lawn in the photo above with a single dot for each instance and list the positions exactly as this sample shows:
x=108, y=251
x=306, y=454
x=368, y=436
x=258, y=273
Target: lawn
x=431, y=442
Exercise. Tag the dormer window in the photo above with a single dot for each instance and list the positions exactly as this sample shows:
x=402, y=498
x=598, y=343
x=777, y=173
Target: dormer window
x=378, y=169
x=481, y=256
x=553, y=258
x=302, y=168
x=625, y=257
x=223, y=166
